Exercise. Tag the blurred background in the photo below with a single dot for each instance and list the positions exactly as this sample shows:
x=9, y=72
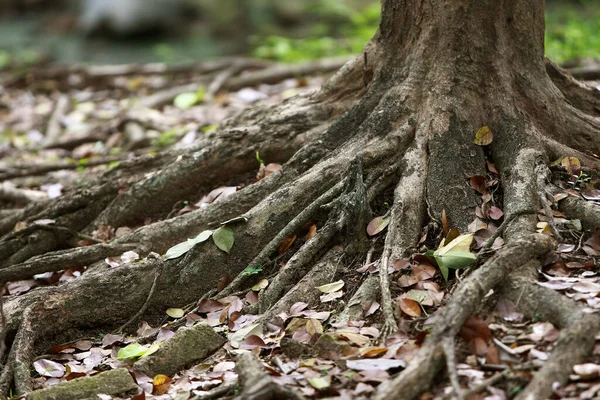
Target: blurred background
x=175, y=31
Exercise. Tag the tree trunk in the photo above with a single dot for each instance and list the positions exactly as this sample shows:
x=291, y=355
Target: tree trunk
x=401, y=116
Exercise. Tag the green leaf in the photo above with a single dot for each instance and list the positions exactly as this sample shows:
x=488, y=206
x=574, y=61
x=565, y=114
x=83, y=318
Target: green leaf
x=180, y=249
x=131, y=351
x=443, y=269
x=185, y=100
x=456, y=259
x=252, y=270
x=152, y=349
x=223, y=238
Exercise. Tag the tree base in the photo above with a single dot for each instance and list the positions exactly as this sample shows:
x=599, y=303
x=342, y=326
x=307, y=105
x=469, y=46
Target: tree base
x=344, y=146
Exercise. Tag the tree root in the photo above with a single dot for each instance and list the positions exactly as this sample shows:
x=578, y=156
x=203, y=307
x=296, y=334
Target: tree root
x=256, y=384
x=342, y=148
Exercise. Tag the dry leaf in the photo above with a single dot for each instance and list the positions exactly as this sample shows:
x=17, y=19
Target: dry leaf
x=484, y=136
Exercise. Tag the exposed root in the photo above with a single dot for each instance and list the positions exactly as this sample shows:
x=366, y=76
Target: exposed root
x=586, y=212
x=543, y=174
x=256, y=384
x=366, y=294
x=406, y=218
x=578, y=328
x=347, y=210
x=16, y=370
x=61, y=260
x=464, y=302
x=299, y=221
x=323, y=272
x=144, y=307
x=583, y=97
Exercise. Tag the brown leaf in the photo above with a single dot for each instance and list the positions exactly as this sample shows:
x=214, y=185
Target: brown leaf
x=312, y=231
x=492, y=167
x=423, y=271
x=478, y=183
x=475, y=327
x=410, y=307
x=223, y=282
x=478, y=346
x=591, y=194
x=445, y=222
x=286, y=244
x=401, y=264
x=407, y=280
x=594, y=242
x=492, y=357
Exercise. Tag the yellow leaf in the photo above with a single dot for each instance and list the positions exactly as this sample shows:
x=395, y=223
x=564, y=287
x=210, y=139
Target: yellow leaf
x=160, y=384
x=331, y=287
x=313, y=326
x=572, y=165
x=484, y=136
x=461, y=243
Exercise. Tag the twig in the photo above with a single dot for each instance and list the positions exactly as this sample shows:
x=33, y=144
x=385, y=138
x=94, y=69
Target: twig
x=449, y=352
x=144, y=307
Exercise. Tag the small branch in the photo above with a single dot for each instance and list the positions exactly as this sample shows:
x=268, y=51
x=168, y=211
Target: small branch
x=450, y=353
x=157, y=274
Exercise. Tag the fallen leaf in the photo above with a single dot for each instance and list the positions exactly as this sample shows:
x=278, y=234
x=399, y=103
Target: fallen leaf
x=160, y=384
x=312, y=231
x=572, y=165
x=223, y=238
x=591, y=194
x=313, y=326
x=331, y=287
x=484, y=136
x=379, y=363
x=263, y=283
x=286, y=244
x=477, y=182
x=180, y=249
x=49, y=368
x=175, y=312
x=331, y=296
x=496, y=213
x=410, y=307
x=377, y=225
x=319, y=382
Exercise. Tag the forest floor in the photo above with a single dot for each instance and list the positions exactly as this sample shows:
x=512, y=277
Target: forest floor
x=63, y=127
